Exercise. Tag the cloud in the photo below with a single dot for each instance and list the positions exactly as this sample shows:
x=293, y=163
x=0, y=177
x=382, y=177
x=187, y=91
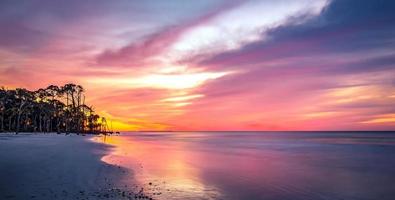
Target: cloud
x=211, y=64
x=142, y=53
x=211, y=33
x=137, y=53
x=162, y=81
x=342, y=28
x=295, y=68
x=244, y=24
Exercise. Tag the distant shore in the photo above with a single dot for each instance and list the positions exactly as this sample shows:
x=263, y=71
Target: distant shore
x=50, y=166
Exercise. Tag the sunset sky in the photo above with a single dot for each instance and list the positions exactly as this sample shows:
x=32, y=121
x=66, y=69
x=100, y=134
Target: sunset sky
x=210, y=64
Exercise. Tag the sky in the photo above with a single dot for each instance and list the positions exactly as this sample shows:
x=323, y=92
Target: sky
x=210, y=64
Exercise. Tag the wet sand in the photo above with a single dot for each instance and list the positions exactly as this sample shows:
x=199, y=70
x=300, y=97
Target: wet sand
x=51, y=166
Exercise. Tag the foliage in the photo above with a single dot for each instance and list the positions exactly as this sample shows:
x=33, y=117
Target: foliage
x=53, y=109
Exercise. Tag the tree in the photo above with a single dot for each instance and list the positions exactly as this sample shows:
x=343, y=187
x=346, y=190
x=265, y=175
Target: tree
x=53, y=109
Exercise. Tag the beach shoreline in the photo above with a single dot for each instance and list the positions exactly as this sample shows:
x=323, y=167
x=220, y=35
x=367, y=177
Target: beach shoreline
x=256, y=165
x=59, y=166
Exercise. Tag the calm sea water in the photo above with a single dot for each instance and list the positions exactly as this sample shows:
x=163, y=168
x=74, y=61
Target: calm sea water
x=259, y=165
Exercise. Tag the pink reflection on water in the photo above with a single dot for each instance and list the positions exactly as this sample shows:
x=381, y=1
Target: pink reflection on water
x=164, y=169
x=256, y=165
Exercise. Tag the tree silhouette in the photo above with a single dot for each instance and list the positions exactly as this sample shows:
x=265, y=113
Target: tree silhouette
x=52, y=109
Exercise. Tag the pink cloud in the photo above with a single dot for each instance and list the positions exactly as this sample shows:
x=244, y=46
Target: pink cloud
x=139, y=53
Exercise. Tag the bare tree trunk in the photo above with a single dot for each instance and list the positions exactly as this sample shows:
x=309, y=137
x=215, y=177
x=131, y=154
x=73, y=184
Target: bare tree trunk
x=2, y=122
x=44, y=124
x=35, y=123
x=50, y=124
x=25, y=123
x=66, y=114
x=18, y=123
x=9, y=123
x=73, y=100
x=20, y=111
x=39, y=123
x=57, y=125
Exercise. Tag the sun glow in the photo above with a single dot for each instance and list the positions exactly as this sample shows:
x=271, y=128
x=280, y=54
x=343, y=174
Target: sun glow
x=162, y=81
x=179, y=81
x=183, y=98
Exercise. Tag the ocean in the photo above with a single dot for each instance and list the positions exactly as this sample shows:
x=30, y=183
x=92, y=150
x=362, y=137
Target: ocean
x=258, y=165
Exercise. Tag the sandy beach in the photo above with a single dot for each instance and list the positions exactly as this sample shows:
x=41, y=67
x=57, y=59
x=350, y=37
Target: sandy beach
x=199, y=165
x=52, y=166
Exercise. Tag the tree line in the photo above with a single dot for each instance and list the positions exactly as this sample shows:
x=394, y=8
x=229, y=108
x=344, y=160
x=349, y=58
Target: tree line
x=60, y=109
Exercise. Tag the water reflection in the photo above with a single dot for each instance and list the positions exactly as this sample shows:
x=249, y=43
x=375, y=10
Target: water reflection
x=162, y=168
x=202, y=165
